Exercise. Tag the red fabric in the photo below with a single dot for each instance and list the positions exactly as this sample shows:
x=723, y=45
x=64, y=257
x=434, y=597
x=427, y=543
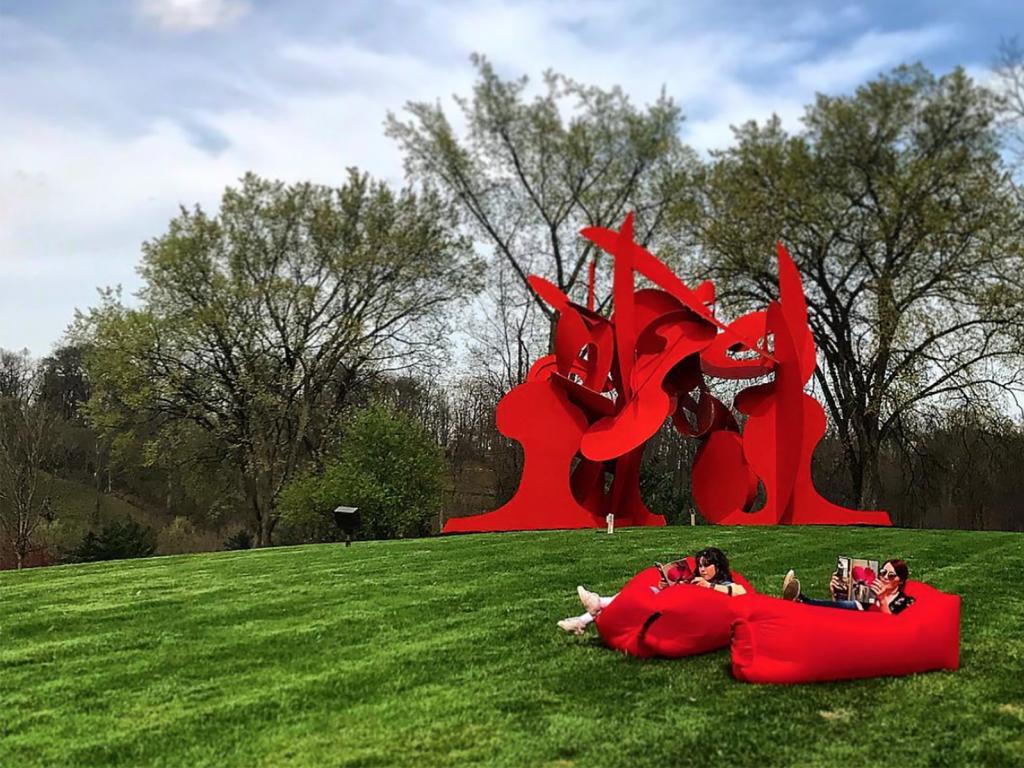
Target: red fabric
x=682, y=620
x=778, y=641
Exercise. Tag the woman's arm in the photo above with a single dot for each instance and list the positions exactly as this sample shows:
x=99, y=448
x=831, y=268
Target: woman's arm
x=838, y=587
x=732, y=590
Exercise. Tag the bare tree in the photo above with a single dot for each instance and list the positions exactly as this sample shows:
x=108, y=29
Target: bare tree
x=16, y=373
x=28, y=439
x=505, y=337
x=526, y=179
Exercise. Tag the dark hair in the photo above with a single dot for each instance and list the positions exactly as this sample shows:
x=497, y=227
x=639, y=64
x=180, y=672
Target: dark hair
x=900, y=566
x=716, y=557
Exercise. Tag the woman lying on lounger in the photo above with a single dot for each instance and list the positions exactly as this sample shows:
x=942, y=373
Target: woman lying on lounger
x=887, y=589
x=712, y=573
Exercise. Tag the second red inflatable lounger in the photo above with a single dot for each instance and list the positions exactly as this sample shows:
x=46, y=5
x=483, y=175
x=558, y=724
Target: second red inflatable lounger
x=778, y=641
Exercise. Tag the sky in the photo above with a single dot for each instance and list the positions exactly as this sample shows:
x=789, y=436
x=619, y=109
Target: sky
x=113, y=113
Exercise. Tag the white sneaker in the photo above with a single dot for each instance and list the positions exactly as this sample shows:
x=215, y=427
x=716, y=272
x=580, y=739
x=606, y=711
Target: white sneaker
x=591, y=600
x=790, y=586
x=574, y=625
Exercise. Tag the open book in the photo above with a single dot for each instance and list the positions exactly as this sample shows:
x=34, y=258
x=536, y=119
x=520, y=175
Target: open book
x=857, y=574
x=675, y=572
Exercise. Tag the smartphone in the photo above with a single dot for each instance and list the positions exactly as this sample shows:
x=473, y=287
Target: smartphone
x=843, y=568
x=843, y=573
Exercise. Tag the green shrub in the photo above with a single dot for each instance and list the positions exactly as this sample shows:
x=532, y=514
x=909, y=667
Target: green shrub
x=115, y=541
x=386, y=465
x=178, y=537
x=240, y=539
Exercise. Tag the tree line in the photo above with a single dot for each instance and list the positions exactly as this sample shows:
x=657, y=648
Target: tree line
x=305, y=346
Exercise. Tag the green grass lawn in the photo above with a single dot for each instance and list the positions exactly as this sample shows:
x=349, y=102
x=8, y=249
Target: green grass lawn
x=445, y=652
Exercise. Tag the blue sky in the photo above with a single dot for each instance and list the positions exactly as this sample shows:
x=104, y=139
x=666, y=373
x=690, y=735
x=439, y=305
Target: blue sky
x=112, y=114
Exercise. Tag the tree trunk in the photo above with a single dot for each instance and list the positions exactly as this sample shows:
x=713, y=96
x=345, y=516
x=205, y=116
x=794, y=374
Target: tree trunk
x=871, y=478
x=855, y=466
x=871, y=494
x=96, y=486
x=263, y=505
x=21, y=549
x=266, y=529
x=257, y=513
x=871, y=448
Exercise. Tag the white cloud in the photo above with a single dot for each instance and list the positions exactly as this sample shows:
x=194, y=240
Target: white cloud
x=864, y=58
x=868, y=55
x=739, y=104
x=79, y=193
x=192, y=15
x=77, y=198
x=75, y=205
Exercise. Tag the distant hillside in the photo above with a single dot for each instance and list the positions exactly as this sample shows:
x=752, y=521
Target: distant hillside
x=78, y=509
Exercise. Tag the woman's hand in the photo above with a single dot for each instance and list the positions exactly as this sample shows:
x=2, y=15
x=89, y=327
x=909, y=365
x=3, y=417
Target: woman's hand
x=702, y=582
x=881, y=591
x=881, y=588
x=837, y=585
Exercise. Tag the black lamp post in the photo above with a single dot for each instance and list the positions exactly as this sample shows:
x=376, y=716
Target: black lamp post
x=347, y=519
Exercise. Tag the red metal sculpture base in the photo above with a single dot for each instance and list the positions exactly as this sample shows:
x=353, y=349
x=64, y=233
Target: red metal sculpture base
x=585, y=412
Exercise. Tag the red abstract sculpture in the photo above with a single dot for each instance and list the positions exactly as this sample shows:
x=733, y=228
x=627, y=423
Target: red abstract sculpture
x=585, y=412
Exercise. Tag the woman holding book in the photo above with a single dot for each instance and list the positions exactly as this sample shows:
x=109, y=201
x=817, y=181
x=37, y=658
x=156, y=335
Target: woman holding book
x=712, y=573
x=887, y=591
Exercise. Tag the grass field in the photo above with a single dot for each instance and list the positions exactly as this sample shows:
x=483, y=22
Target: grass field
x=445, y=652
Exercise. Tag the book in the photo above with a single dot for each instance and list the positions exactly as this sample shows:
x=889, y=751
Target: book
x=675, y=572
x=857, y=574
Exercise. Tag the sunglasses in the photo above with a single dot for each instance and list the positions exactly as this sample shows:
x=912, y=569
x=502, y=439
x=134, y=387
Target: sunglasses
x=887, y=575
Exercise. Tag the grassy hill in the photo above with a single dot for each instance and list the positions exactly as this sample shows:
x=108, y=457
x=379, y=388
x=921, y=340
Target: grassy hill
x=80, y=509
x=445, y=652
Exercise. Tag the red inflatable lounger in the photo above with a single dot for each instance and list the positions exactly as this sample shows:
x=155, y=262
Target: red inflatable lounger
x=778, y=641
x=682, y=620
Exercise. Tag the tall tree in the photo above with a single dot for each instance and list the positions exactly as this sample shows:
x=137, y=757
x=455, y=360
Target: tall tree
x=255, y=324
x=529, y=174
x=64, y=385
x=897, y=208
x=28, y=449
x=17, y=373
